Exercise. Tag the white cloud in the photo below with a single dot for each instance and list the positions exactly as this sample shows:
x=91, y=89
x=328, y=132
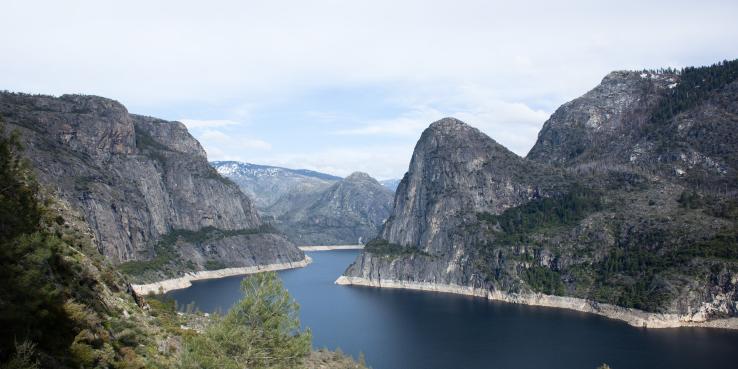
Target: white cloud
x=146, y=53
x=213, y=123
x=228, y=146
x=408, y=124
x=499, y=66
x=512, y=124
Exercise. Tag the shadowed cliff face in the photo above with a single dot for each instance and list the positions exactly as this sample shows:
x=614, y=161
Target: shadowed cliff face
x=627, y=198
x=135, y=178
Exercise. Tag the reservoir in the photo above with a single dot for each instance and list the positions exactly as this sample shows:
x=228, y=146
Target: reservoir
x=401, y=329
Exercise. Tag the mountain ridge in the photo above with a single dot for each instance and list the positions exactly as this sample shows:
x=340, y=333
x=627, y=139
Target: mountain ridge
x=314, y=208
x=578, y=218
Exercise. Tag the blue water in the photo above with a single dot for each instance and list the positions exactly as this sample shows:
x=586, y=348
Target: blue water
x=411, y=329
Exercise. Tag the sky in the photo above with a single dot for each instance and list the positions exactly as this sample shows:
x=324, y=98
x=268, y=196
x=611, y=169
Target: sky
x=343, y=86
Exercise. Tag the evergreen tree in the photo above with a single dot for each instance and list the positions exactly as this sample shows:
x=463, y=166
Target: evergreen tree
x=260, y=331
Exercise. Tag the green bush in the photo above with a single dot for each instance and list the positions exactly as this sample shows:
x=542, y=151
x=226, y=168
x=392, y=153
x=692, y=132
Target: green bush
x=214, y=265
x=545, y=280
x=561, y=210
x=382, y=247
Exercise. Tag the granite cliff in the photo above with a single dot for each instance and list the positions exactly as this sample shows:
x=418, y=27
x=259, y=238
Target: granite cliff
x=626, y=206
x=143, y=185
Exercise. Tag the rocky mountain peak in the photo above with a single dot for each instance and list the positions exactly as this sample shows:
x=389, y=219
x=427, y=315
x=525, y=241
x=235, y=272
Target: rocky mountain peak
x=360, y=177
x=453, y=134
x=448, y=124
x=680, y=124
x=456, y=171
x=604, y=116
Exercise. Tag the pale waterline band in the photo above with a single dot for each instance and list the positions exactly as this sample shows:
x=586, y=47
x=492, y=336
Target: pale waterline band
x=332, y=247
x=186, y=280
x=634, y=317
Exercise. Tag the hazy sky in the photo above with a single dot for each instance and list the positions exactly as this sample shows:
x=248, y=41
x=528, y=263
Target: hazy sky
x=339, y=86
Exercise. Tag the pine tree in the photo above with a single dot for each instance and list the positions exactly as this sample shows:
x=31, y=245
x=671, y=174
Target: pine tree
x=260, y=331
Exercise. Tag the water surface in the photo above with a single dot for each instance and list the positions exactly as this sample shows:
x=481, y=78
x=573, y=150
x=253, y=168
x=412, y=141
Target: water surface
x=412, y=329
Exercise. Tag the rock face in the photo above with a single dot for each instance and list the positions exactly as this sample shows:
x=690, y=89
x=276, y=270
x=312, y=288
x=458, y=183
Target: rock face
x=628, y=199
x=456, y=172
x=584, y=128
x=641, y=120
x=136, y=179
x=314, y=208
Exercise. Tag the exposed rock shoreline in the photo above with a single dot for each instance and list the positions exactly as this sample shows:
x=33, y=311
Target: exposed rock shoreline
x=331, y=247
x=186, y=280
x=634, y=317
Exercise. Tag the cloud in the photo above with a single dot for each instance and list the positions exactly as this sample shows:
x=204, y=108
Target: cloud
x=147, y=54
x=513, y=124
x=214, y=123
x=227, y=146
x=371, y=75
x=408, y=124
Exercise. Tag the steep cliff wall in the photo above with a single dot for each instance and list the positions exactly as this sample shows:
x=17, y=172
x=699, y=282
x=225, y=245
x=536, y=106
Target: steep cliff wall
x=136, y=179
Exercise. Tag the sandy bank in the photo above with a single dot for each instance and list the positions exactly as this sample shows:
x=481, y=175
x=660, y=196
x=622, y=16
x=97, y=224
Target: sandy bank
x=332, y=247
x=186, y=280
x=634, y=317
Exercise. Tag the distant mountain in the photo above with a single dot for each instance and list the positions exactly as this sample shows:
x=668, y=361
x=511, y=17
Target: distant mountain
x=268, y=184
x=627, y=206
x=350, y=211
x=391, y=183
x=314, y=208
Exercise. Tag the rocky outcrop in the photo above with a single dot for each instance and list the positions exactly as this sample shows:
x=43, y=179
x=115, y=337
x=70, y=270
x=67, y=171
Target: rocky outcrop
x=603, y=212
x=136, y=180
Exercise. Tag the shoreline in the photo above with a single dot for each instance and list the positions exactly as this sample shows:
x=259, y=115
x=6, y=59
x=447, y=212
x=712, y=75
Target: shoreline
x=331, y=247
x=634, y=317
x=186, y=280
